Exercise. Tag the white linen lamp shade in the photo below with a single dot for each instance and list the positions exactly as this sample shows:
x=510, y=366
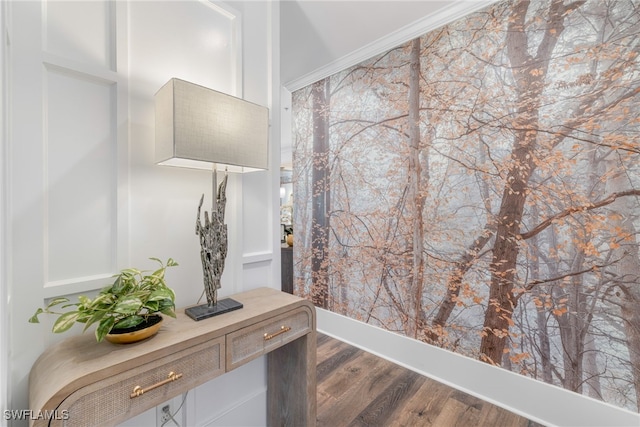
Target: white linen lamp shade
x=197, y=127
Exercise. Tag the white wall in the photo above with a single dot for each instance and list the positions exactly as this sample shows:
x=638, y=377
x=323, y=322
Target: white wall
x=82, y=78
x=4, y=343
x=39, y=131
x=192, y=41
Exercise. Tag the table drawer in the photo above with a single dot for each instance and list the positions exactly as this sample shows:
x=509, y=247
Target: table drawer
x=114, y=400
x=253, y=341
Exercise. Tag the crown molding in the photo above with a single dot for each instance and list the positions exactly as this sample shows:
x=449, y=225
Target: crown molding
x=417, y=28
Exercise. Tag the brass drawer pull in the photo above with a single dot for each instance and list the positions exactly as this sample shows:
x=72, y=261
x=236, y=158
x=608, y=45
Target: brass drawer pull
x=282, y=330
x=139, y=391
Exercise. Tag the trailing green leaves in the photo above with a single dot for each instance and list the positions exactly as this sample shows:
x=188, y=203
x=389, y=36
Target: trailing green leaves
x=65, y=321
x=131, y=298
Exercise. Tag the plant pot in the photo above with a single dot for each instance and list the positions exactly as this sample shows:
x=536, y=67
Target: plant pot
x=140, y=332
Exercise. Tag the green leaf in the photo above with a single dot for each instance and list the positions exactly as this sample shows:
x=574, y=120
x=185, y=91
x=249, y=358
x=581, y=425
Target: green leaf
x=34, y=318
x=128, y=322
x=65, y=322
x=97, y=316
x=117, y=286
x=152, y=306
x=168, y=311
x=129, y=305
x=160, y=294
x=104, y=327
x=130, y=272
x=167, y=303
x=73, y=304
x=172, y=294
x=57, y=301
x=102, y=299
x=82, y=317
x=157, y=275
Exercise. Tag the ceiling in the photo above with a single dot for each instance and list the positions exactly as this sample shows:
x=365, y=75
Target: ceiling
x=315, y=33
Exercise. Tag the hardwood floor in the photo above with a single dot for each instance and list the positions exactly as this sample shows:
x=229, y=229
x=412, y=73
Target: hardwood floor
x=356, y=388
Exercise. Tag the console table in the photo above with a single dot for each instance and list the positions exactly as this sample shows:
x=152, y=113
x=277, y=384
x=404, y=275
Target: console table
x=91, y=383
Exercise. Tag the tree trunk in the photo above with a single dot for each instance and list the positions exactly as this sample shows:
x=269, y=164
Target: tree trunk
x=544, y=344
x=591, y=371
x=415, y=192
x=573, y=326
x=628, y=274
x=529, y=75
x=574, y=330
x=320, y=195
x=543, y=341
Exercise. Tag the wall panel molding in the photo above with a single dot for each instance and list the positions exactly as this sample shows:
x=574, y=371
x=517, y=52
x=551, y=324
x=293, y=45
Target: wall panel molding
x=83, y=31
x=235, y=41
x=72, y=66
x=80, y=122
x=85, y=144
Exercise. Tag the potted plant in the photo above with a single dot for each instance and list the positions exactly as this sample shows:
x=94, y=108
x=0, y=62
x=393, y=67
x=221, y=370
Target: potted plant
x=123, y=310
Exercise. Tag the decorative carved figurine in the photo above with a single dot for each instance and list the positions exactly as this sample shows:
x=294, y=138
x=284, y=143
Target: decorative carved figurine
x=213, y=243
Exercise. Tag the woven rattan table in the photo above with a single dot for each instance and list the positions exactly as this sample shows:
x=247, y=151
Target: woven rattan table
x=79, y=382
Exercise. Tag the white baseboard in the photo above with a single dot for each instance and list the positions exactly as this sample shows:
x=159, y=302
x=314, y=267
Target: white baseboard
x=535, y=400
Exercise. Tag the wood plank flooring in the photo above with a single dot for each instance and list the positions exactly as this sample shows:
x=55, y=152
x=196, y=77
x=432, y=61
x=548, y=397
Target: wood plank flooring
x=356, y=388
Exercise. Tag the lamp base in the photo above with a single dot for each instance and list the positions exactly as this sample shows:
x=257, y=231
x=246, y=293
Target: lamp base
x=204, y=311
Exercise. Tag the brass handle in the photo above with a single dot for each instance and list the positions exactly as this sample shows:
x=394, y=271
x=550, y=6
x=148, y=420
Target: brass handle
x=139, y=391
x=282, y=330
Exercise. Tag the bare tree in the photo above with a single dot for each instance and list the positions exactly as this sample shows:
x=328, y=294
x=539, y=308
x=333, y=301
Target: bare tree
x=416, y=192
x=321, y=200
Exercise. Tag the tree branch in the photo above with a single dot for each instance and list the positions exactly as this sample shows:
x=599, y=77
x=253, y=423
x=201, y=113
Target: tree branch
x=547, y=222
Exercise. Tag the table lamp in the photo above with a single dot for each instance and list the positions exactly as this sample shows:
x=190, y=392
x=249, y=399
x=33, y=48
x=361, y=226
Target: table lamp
x=200, y=128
